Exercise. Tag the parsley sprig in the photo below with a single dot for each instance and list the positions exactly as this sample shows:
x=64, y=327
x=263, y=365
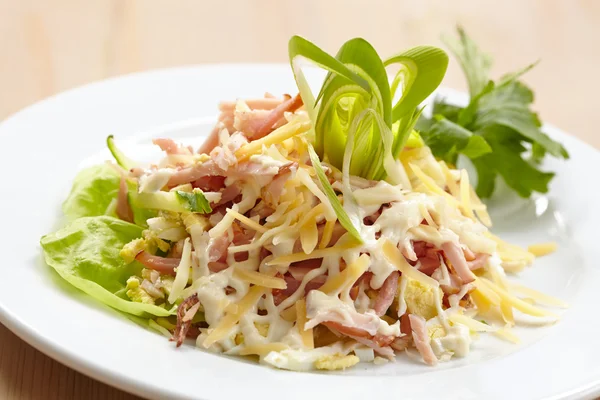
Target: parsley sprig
x=497, y=130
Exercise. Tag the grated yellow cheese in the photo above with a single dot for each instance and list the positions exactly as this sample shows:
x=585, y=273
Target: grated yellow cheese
x=319, y=253
x=305, y=334
x=229, y=321
x=507, y=313
x=450, y=182
x=465, y=195
x=259, y=279
x=480, y=209
x=247, y=221
x=507, y=335
x=542, y=249
x=327, y=234
x=309, y=236
x=538, y=297
x=395, y=257
x=280, y=134
x=222, y=226
x=430, y=184
x=307, y=181
x=470, y=323
x=427, y=216
x=289, y=314
x=515, y=302
x=335, y=284
x=263, y=349
x=313, y=215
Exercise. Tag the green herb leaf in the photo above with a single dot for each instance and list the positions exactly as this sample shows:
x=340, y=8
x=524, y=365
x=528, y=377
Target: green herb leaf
x=195, y=201
x=177, y=201
x=475, y=64
x=497, y=130
x=447, y=139
x=508, y=105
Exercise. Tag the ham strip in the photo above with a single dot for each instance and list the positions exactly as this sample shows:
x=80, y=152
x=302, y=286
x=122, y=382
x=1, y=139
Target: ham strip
x=280, y=295
x=382, y=350
x=191, y=174
x=211, y=141
x=457, y=258
x=217, y=266
x=478, y=262
x=161, y=264
x=268, y=103
x=170, y=147
x=183, y=324
x=123, y=208
x=422, y=340
x=287, y=106
x=386, y=294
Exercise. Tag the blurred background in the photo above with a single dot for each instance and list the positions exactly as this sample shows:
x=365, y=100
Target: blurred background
x=51, y=46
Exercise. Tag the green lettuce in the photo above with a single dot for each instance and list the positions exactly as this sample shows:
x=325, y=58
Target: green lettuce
x=93, y=193
x=86, y=254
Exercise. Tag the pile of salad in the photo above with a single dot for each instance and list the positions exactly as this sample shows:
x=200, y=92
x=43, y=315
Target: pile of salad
x=317, y=232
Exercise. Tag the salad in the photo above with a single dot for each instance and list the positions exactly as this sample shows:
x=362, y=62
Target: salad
x=317, y=232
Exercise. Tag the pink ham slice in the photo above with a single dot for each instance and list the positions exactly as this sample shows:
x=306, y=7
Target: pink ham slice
x=287, y=106
x=163, y=265
x=280, y=295
x=422, y=340
x=211, y=141
x=386, y=294
x=191, y=174
x=457, y=258
x=379, y=343
x=169, y=146
x=183, y=324
x=123, y=209
x=478, y=262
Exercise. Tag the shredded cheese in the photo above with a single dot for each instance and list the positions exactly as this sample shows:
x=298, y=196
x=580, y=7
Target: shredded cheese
x=465, y=195
x=335, y=284
x=542, y=249
x=233, y=316
x=395, y=257
x=319, y=253
x=309, y=236
x=430, y=184
x=305, y=334
x=247, y=221
x=517, y=303
x=277, y=136
x=259, y=279
x=327, y=234
x=507, y=335
x=538, y=297
x=307, y=181
x=470, y=323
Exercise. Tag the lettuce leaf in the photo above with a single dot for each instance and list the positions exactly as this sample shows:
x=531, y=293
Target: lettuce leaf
x=92, y=193
x=86, y=254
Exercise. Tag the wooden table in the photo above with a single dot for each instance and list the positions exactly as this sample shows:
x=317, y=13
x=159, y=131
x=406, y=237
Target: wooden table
x=50, y=46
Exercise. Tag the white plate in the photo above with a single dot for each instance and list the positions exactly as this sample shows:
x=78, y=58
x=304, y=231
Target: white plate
x=45, y=144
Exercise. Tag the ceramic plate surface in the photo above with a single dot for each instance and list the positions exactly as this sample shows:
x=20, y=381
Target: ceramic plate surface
x=44, y=146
